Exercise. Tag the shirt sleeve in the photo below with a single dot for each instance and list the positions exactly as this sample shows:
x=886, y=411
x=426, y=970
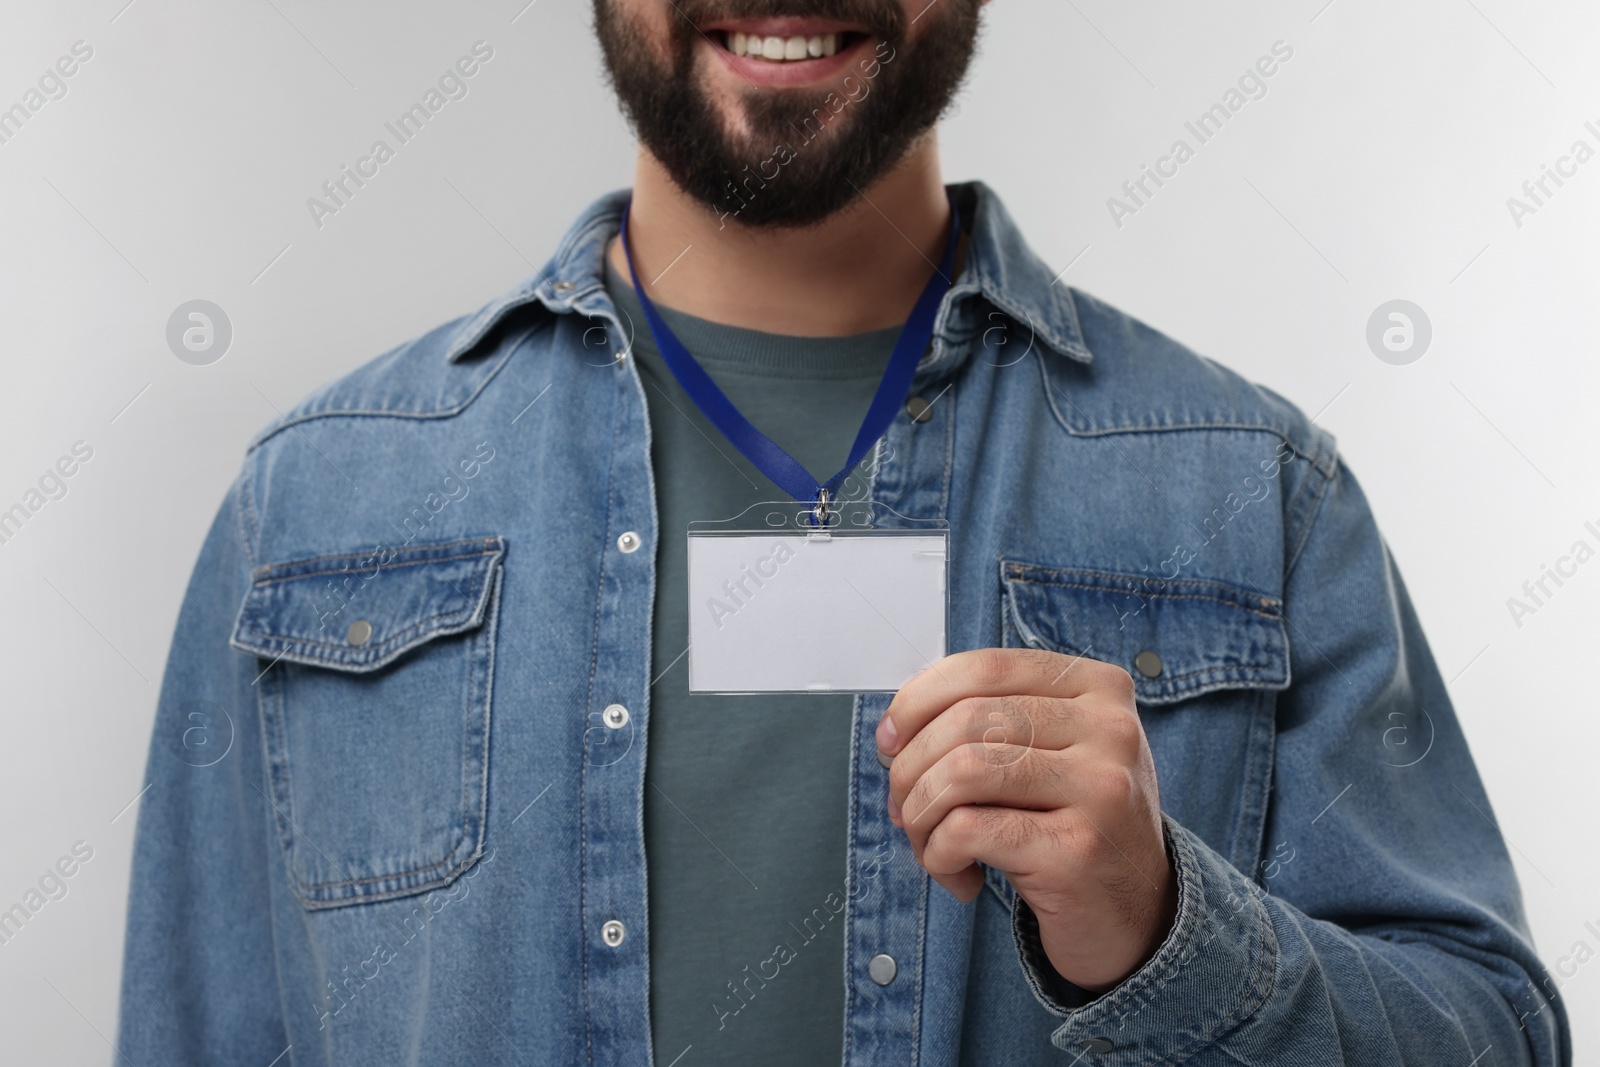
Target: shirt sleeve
x=1385, y=924
x=199, y=982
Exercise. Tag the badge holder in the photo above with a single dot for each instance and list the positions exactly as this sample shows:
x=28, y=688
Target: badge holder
x=813, y=597
x=827, y=598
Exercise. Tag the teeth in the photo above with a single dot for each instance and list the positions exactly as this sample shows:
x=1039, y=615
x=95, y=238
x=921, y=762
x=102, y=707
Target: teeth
x=782, y=49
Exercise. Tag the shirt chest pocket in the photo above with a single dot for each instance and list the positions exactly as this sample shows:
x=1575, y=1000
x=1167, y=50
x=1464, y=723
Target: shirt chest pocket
x=1207, y=660
x=375, y=701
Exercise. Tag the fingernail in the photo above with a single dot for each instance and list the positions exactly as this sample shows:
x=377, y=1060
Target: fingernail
x=894, y=810
x=888, y=736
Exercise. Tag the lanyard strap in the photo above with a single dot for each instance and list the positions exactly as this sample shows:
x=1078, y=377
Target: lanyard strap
x=784, y=470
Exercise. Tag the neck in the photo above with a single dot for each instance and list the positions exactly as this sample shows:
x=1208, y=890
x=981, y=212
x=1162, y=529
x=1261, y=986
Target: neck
x=860, y=269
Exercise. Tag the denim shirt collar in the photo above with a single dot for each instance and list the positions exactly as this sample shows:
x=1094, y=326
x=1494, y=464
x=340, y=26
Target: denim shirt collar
x=1000, y=269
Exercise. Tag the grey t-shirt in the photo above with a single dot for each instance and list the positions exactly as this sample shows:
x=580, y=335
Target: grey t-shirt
x=745, y=817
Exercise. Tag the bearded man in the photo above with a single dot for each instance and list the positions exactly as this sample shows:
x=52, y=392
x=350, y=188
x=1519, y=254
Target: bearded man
x=1187, y=787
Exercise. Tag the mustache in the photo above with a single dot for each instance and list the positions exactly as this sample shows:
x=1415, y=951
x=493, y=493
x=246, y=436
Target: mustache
x=882, y=18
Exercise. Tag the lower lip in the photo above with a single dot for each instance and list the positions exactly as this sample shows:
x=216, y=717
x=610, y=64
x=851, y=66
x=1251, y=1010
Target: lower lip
x=772, y=74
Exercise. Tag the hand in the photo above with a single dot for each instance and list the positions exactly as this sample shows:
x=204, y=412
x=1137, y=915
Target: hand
x=1036, y=764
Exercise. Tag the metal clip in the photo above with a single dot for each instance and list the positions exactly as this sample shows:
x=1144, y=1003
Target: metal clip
x=819, y=509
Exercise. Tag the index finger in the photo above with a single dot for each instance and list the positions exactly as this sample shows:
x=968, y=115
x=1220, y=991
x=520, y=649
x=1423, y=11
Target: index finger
x=988, y=672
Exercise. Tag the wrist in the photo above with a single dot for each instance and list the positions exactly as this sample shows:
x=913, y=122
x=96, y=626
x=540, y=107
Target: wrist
x=1097, y=965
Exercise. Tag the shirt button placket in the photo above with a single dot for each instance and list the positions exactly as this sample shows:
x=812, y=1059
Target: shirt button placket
x=896, y=1006
x=613, y=883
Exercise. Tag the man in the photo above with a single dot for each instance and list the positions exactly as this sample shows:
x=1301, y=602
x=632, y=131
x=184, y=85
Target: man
x=1189, y=790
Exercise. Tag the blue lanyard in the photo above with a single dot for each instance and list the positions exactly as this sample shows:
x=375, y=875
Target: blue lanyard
x=784, y=470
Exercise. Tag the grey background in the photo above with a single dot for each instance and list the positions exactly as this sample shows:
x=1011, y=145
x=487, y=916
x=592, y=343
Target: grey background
x=1377, y=167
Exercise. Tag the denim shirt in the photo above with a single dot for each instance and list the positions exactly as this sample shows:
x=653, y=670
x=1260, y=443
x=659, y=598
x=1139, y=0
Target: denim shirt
x=395, y=812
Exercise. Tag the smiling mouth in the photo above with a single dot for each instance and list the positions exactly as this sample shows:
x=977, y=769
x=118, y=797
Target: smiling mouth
x=791, y=49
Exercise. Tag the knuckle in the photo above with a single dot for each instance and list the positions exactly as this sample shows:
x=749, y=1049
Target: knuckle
x=968, y=826
x=991, y=666
x=902, y=776
x=917, y=798
x=1123, y=730
x=960, y=833
x=972, y=762
x=978, y=716
x=1113, y=785
x=1116, y=681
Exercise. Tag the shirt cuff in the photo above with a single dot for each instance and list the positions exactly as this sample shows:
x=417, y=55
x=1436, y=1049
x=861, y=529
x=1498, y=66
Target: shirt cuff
x=1214, y=970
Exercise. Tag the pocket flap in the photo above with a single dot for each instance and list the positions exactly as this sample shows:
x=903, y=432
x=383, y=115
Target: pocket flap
x=361, y=611
x=1178, y=638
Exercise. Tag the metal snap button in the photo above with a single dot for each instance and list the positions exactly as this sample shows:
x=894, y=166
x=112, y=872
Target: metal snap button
x=615, y=716
x=881, y=968
x=613, y=932
x=919, y=409
x=1147, y=663
x=360, y=633
x=1096, y=1044
x=561, y=286
x=629, y=542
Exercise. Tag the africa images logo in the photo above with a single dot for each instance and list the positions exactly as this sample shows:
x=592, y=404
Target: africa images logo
x=199, y=332
x=52, y=85
x=1251, y=85
x=1399, y=332
x=453, y=84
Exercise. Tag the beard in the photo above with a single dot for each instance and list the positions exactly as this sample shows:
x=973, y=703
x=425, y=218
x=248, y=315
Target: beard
x=803, y=153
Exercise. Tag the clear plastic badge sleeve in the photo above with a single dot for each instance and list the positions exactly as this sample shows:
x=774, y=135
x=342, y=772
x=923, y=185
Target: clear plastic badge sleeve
x=845, y=608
